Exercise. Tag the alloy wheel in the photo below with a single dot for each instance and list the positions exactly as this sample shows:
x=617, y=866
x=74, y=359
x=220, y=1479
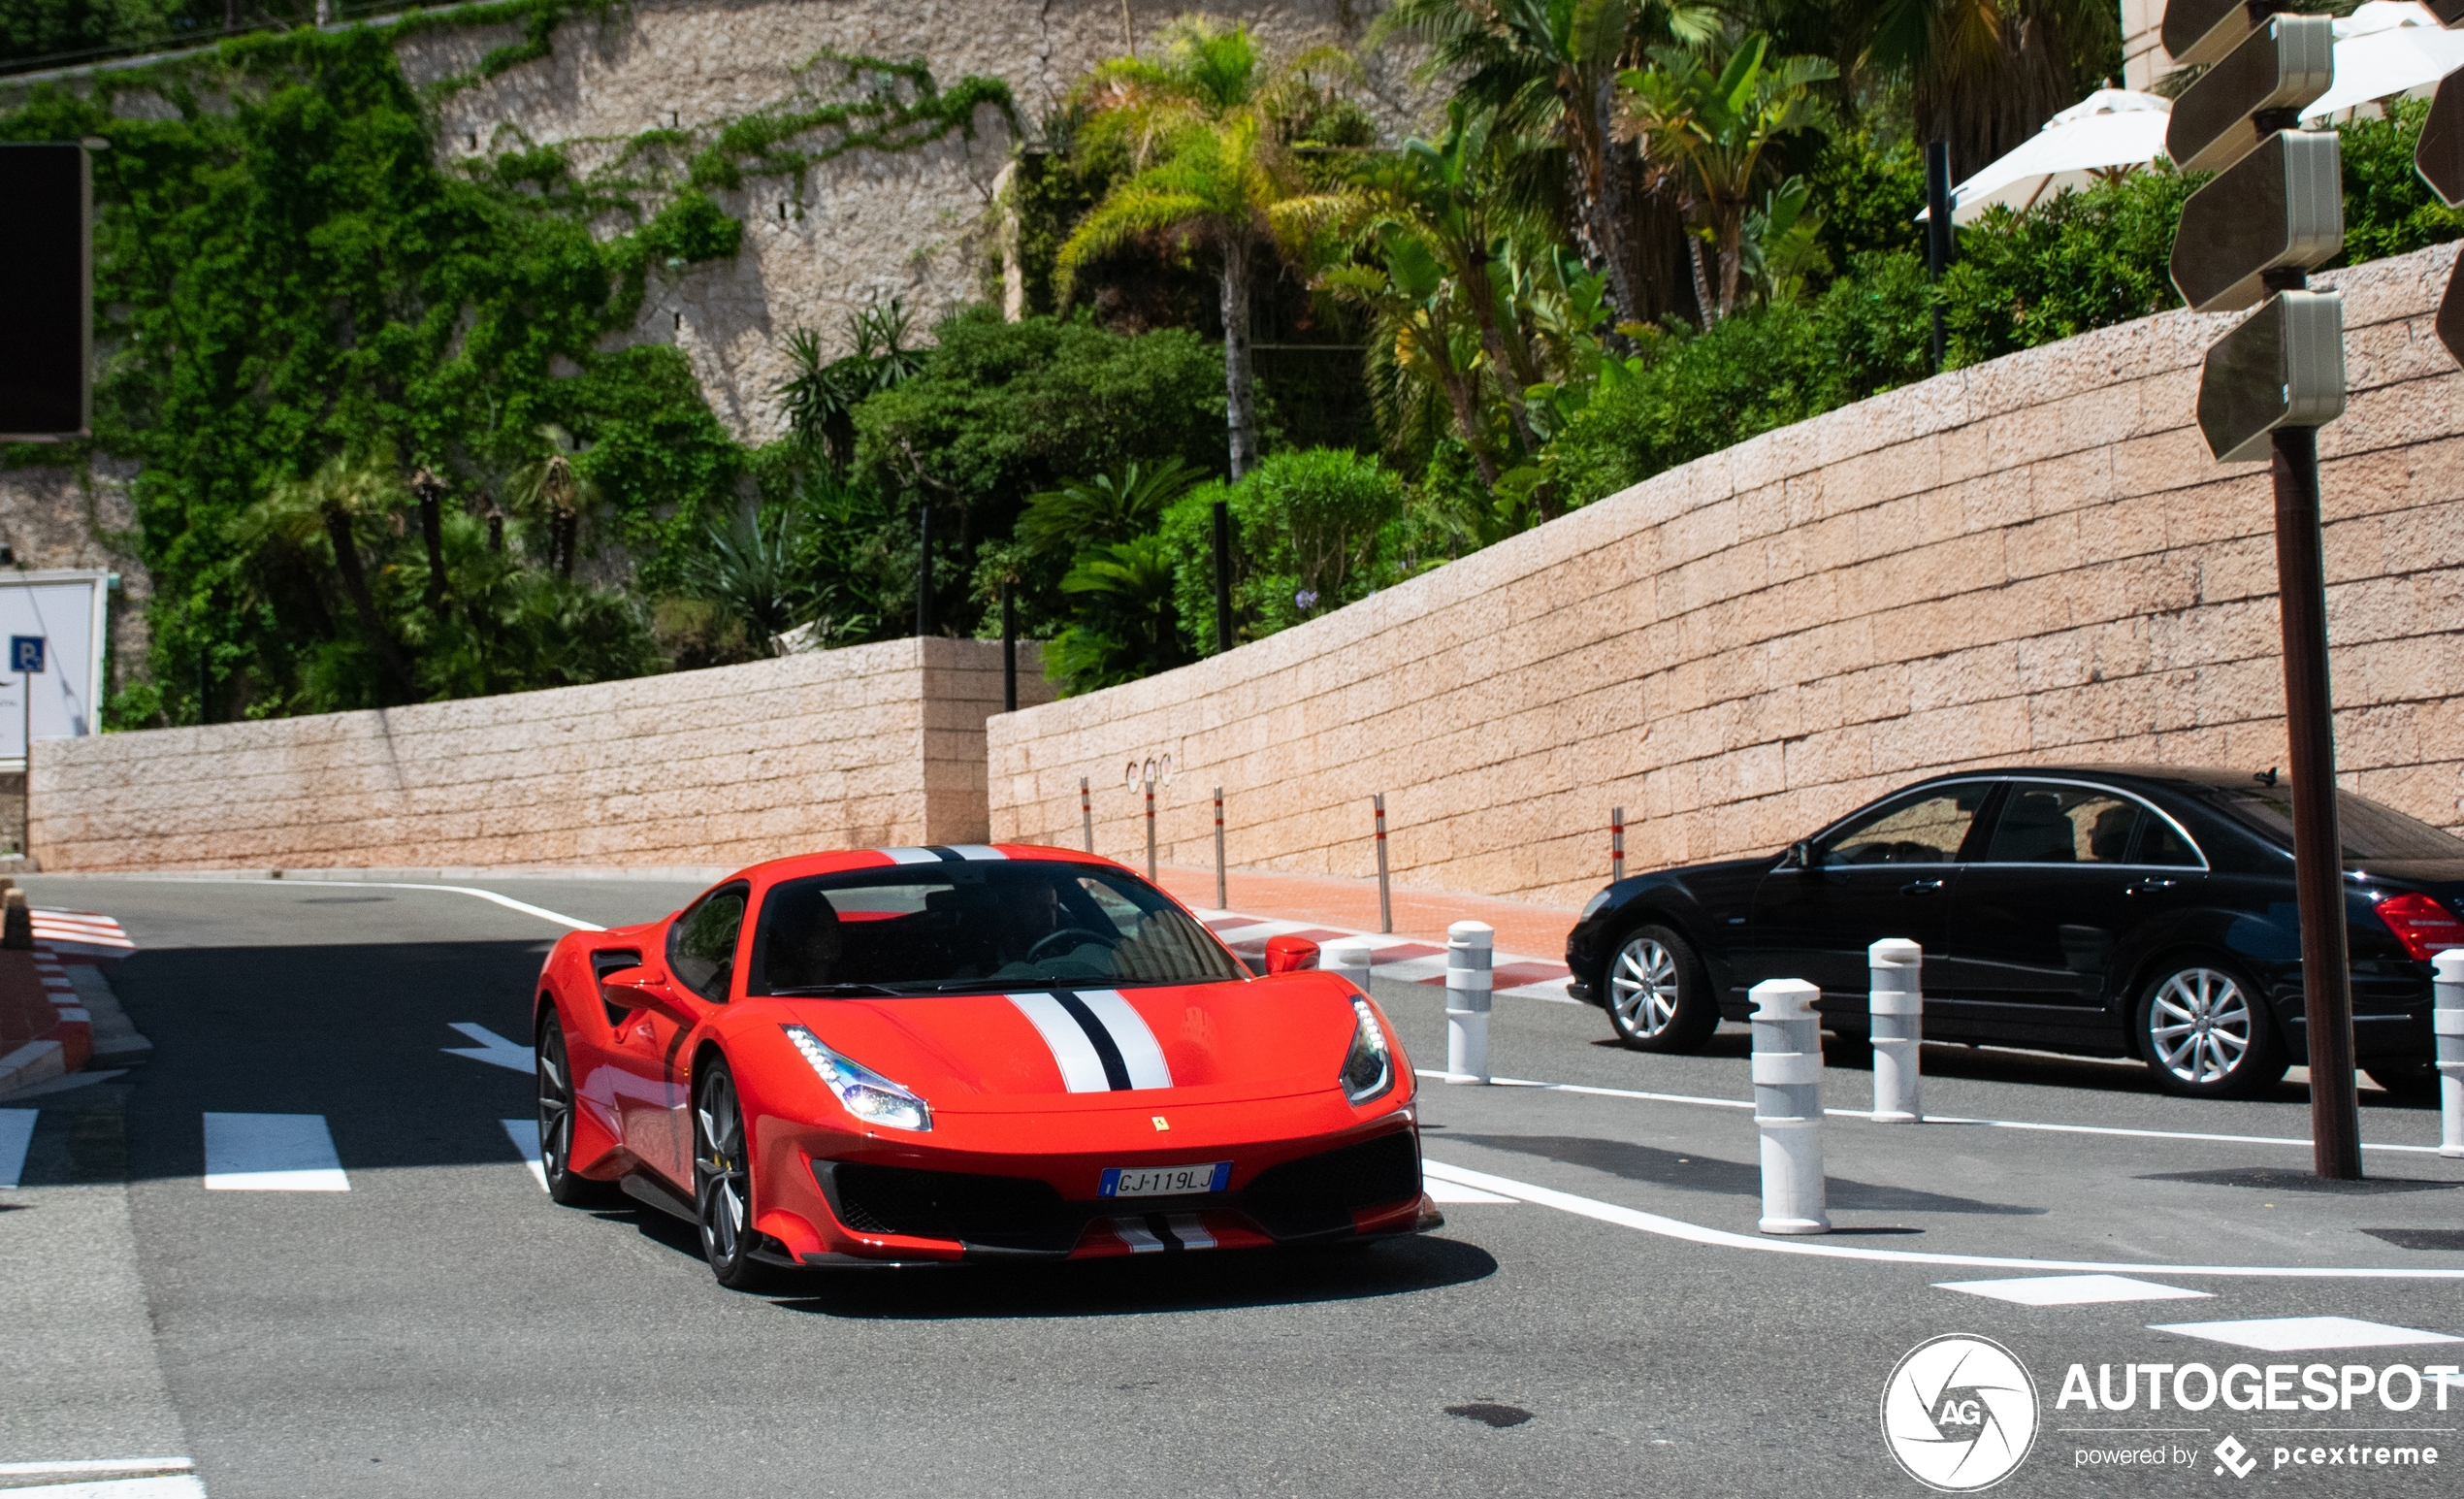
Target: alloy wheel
x=1642, y=987
x=556, y=1103
x=718, y=1170
x=2199, y=1022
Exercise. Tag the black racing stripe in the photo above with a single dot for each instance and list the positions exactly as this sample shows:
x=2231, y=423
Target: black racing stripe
x=1161, y=1225
x=947, y=856
x=1115, y=1071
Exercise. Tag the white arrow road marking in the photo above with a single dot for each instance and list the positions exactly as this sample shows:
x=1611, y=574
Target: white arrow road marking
x=16, y=1132
x=491, y=1048
x=525, y=1135
x=1721, y=1238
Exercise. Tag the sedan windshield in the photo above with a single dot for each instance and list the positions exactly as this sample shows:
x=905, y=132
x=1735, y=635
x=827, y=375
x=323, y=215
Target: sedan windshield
x=933, y=929
x=2371, y=832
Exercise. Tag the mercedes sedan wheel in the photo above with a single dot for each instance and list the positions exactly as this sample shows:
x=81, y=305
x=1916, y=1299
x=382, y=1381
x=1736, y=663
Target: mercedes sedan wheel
x=2206, y=1032
x=1658, y=997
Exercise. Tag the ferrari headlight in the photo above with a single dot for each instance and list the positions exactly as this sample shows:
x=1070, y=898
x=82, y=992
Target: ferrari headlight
x=1369, y=1068
x=865, y=1093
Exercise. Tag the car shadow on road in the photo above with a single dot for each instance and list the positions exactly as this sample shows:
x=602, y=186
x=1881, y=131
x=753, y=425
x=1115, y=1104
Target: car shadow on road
x=1697, y=1172
x=1209, y=1282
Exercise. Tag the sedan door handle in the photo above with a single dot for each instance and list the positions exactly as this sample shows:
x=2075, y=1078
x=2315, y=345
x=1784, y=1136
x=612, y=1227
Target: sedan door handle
x=2148, y=887
x=1922, y=887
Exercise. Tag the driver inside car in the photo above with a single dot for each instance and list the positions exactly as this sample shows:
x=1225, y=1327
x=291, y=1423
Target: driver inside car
x=1033, y=914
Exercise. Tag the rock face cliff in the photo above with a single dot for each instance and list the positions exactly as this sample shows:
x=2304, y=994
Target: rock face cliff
x=870, y=223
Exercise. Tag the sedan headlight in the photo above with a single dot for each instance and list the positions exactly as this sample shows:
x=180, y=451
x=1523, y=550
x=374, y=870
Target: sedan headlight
x=1369, y=1068
x=1591, y=907
x=865, y=1093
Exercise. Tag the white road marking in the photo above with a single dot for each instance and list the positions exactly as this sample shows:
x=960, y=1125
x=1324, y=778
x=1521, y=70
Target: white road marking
x=525, y=1135
x=512, y=1056
x=2072, y=1291
x=169, y=1485
x=16, y=1132
x=1937, y=1118
x=98, y=1466
x=271, y=1153
x=507, y=902
x=1456, y=1192
x=2300, y=1334
x=1721, y=1238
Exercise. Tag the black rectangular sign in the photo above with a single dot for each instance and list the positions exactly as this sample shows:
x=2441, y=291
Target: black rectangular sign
x=46, y=314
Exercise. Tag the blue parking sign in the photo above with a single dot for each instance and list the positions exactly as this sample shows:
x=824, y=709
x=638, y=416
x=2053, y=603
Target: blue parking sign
x=26, y=653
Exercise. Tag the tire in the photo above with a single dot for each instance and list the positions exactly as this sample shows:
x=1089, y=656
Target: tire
x=555, y=1074
x=722, y=1181
x=2206, y=1032
x=2407, y=1082
x=1658, y=997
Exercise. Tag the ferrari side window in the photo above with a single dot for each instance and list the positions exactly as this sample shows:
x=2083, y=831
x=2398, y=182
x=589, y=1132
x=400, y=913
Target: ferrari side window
x=702, y=946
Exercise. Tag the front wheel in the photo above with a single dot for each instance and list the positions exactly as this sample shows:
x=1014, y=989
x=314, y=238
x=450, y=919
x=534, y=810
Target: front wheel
x=722, y=1181
x=555, y=1070
x=2207, y=1035
x=1659, y=998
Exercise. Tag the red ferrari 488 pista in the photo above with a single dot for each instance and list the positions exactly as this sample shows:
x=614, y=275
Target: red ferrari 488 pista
x=974, y=1053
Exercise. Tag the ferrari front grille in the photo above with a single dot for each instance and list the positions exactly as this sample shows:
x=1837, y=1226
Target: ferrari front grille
x=1319, y=1194
x=1000, y=1212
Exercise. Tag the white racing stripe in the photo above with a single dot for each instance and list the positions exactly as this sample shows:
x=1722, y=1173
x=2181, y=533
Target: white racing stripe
x=1134, y=1233
x=1721, y=1238
x=909, y=856
x=976, y=853
x=271, y=1153
x=1139, y=1052
x=1082, y=1070
x=1191, y=1231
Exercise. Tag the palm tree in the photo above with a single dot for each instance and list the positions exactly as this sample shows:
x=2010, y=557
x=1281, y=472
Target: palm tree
x=1222, y=179
x=1420, y=336
x=1105, y=508
x=293, y=517
x=1983, y=75
x=1549, y=68
x=819, y=398
x=554, y=485
x=1715, y=130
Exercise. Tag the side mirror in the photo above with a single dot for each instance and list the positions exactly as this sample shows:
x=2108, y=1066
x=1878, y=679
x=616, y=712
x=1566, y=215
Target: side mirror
x=1800, y=854
x=632, y=989
x=1290, y=954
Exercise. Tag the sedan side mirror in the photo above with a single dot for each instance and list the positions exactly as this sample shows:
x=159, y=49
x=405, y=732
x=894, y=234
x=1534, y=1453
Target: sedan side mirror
x=1290, y=954
x=1800, y=854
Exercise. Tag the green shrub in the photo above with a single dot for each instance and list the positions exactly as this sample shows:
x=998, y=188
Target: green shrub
x=1308, y=527
x=2084, y=260
x=2388, y=209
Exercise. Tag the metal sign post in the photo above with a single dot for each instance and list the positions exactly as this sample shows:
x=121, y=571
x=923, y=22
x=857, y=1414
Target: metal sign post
x=25, y=659
x=2276, y=209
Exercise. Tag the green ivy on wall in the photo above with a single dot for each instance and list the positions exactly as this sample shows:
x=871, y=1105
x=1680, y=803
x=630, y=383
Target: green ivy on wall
x=291, y=278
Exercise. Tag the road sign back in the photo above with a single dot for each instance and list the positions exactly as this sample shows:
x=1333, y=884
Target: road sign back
x=2282, y=66
x=2283, y=367
x=2279, y=207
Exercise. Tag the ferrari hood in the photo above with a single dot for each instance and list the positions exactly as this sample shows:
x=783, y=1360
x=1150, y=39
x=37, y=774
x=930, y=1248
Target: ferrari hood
x=1061, y=1048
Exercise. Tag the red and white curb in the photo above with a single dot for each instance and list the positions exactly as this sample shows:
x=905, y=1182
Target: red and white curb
x=1399, y=960
x=63, y=940
x=80, y=935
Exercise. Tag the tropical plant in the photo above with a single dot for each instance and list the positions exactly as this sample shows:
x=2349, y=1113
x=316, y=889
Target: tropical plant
x=1128, y=627
x=1713, y=123
x=1107, y=508
x=319, y=519
x=749, y=570
x=819, y=400
x=1549, y=69
x=1222, y=180
x=1983, y=75
x=554, y=488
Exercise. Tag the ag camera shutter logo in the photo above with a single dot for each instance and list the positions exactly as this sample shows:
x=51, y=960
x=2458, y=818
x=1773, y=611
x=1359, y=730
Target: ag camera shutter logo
x=1958, y=1414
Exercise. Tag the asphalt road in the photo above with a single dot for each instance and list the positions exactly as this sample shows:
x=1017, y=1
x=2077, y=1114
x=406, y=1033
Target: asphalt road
x=442, y=1329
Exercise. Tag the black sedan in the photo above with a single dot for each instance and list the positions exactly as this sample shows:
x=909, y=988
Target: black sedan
x=2104, y=910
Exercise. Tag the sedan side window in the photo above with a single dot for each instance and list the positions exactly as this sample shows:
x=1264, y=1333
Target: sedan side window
x=2048, y=824
x=1925, y=829
x=702, y=946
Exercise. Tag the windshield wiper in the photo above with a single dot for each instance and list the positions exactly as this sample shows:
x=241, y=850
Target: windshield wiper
x=834, y=991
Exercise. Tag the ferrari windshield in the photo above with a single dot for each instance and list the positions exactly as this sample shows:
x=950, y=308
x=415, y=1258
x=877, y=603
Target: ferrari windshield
x=989, y=925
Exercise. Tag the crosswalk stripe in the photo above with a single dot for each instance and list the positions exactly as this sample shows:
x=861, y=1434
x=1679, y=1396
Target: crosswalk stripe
x=271, y=1153
x=16, y=1132
x=2302, y=1334
x=525, y=1135
x=2071, y=1291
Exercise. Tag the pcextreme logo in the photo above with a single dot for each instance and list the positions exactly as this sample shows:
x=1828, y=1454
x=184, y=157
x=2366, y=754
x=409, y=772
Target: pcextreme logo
x=1958, y=1414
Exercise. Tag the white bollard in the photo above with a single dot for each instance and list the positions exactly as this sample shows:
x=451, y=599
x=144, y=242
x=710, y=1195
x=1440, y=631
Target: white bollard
x=2447, y=1024
x=1788, y=1105
x=1468, y=948
x=1348, y=957
x=1897, y=1018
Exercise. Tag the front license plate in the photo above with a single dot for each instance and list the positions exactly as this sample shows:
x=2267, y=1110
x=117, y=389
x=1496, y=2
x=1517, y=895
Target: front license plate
x=1165, y=1181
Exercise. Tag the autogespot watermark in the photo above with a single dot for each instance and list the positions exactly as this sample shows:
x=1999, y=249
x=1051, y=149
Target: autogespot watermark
x=1961, y=1413
x=1958, y=1414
